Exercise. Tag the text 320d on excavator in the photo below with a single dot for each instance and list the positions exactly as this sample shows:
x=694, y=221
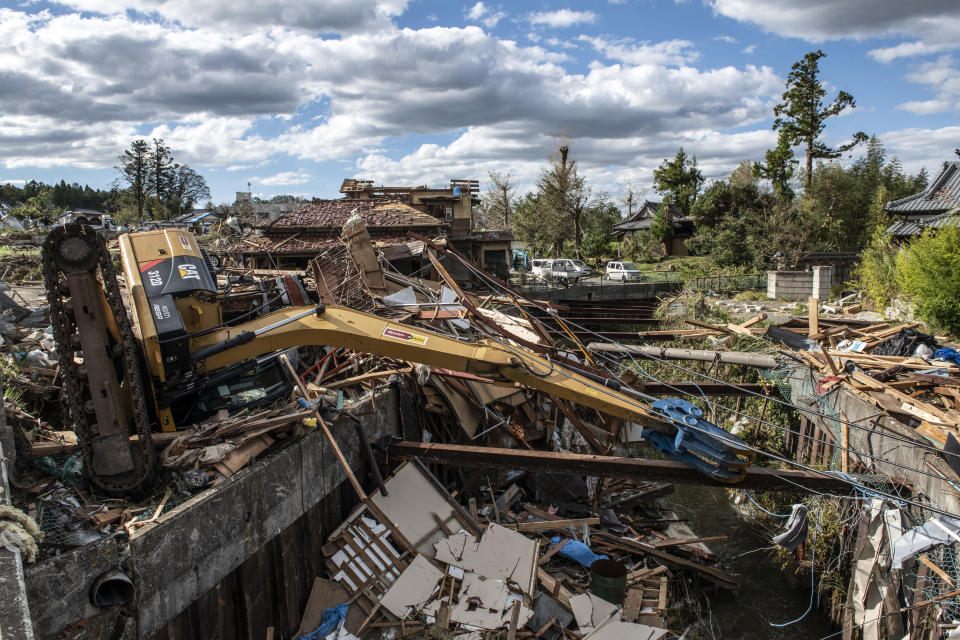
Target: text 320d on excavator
x=178, y=358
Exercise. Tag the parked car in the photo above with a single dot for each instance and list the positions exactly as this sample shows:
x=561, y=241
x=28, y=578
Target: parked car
x=623, y=271
x=540, y=268
x=585, y=270
x=565, y=271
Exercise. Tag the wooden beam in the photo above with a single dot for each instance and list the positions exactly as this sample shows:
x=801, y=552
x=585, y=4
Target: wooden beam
x=608, y=466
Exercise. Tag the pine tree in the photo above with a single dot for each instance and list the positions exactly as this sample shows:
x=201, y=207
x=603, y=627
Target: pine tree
x=161, y=175
x=778, y=169
x=801, y=117
x=679, y=180
x=134, y=167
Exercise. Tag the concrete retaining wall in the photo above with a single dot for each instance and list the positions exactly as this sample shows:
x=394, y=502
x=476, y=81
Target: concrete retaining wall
x=196, y=546
x=609, y=290
x=800, y=285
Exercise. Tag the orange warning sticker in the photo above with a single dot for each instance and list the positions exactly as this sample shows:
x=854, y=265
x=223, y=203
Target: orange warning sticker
x=399, y=334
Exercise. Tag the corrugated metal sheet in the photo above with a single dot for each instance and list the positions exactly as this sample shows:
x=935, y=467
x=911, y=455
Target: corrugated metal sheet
x=941, y=196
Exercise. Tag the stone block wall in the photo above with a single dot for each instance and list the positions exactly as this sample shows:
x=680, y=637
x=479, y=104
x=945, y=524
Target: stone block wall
x=800, y=285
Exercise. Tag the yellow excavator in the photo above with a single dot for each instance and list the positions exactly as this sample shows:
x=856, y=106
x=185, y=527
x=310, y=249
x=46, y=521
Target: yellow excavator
x=179, y=361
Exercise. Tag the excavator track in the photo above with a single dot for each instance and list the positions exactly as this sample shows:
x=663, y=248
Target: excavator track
x=74, y=249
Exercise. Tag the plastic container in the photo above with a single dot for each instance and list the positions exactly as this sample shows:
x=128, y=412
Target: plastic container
x=608, y=580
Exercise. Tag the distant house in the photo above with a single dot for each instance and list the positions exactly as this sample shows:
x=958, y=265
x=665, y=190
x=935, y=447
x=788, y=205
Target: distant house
x=643, y=219
x=452, y=205
x=931, y=208
x=293, y=239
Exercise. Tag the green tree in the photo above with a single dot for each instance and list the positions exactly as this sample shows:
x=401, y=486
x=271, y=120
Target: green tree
x=496, y=201
x=679, y=181
x=527, y=227
x=661, y=229
x=135, y=168
x=161, y=176
x=928, y=272
x=802, y=115
x=187, y=187
x=598, y=220
x=778, y=168
x=561, y=197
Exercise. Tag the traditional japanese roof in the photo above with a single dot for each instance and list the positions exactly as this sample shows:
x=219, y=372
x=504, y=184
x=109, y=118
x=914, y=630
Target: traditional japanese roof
x=916, y=226
x=641, y=220
x=333, y=214
x=941, y=196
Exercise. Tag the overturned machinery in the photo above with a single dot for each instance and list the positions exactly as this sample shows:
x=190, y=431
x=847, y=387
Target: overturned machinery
x=182, y=358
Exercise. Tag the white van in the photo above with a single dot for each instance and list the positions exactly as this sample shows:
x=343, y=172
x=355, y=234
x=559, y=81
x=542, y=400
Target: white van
x=540, y=268
x=623, y=271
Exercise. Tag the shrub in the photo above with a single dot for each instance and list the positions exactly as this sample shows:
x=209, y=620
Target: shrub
x=876, y=275
x=928, y=272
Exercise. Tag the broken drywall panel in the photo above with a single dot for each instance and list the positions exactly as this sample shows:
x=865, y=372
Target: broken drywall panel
x=500, y=553
x=590, y=611
x=413, y=589
x=620, y=630
x=482, y=601
x=415, y=503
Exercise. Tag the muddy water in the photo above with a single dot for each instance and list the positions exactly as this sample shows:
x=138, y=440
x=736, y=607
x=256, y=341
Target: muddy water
x=765, y=594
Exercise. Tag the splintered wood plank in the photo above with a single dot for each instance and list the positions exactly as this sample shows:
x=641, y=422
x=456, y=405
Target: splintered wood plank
x=632, y=605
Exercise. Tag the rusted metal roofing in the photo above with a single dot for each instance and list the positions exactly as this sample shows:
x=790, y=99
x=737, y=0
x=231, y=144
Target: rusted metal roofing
x=941, y=196
x=333, y=214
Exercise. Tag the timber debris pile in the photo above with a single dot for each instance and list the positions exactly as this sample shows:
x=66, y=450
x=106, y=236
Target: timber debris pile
x=517, y=497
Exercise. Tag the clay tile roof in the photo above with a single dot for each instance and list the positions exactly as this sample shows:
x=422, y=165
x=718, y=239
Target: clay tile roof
x=941, y=196
x=333, y=214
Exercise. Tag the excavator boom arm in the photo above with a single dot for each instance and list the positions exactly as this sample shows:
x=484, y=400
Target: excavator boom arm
x=343, y=327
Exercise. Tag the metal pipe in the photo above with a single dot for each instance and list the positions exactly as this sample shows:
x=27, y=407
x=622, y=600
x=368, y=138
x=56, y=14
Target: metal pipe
x=760, y=360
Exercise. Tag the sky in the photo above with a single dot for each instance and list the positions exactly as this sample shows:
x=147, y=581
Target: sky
x=293, y=96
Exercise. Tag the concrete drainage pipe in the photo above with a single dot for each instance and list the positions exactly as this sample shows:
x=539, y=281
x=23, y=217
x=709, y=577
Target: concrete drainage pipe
x=112, y=588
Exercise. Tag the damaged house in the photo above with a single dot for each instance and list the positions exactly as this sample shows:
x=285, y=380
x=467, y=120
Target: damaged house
x=292, y=240
x=453, y=205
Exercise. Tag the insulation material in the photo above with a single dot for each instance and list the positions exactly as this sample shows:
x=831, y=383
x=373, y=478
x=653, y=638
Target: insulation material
x=500, y=553
x=414, y=499
x=413, y=589
x=591, y=611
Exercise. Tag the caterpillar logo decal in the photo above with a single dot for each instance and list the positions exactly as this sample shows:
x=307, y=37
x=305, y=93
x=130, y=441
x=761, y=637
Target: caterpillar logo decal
x=390, y=332
x=188, y=271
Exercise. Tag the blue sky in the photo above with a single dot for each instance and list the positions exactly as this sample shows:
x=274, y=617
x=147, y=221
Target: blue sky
x=292, y=96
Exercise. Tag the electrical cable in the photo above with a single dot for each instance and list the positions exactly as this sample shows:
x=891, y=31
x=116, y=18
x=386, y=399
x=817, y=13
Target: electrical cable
x=813, y=574
x=723, y=382
x=781, y=459
x=759, y=506
x=772, y=456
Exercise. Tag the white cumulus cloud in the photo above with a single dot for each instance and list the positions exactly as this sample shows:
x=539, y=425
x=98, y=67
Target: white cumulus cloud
x=284, y=178
x=561, y=18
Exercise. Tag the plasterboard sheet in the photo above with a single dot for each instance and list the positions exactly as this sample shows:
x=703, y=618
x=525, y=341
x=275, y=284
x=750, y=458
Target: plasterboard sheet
x=413, y=589
x=410, y=505
x=500, y=553
x=620, y=630
x=590, y=611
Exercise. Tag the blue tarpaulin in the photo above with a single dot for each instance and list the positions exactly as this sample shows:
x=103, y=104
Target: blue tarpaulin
x=331, y=620
x=577, y=551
